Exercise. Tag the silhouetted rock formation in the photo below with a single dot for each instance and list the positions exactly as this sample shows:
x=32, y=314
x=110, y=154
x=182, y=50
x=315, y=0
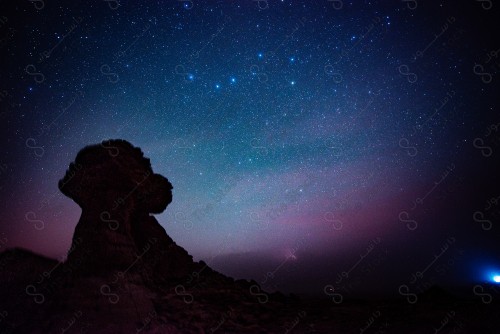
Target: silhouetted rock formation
x=123, y=273
x=117, y=191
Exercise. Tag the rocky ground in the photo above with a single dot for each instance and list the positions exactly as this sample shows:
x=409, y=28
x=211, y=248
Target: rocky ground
x=40, y=295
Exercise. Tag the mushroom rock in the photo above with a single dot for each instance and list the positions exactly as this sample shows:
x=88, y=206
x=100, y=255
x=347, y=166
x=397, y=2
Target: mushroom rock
x=117, y=190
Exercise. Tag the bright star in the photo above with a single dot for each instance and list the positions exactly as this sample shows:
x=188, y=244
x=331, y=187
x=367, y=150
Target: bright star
x=292, y=83
x=217, y=86
x=233, y=80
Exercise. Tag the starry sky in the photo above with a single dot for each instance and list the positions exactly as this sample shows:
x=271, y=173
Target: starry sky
x=311, y=144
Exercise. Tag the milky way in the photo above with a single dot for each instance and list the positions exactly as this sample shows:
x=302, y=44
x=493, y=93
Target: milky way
x=303, y=139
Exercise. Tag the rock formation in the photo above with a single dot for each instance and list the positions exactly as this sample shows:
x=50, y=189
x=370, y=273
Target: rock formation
x=117, y=191
x=123, y=273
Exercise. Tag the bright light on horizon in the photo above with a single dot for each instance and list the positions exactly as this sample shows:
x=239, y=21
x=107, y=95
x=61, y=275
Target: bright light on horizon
x=496, y=278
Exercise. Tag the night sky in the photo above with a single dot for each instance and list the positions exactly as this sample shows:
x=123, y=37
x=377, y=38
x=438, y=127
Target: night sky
x=311, y=144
